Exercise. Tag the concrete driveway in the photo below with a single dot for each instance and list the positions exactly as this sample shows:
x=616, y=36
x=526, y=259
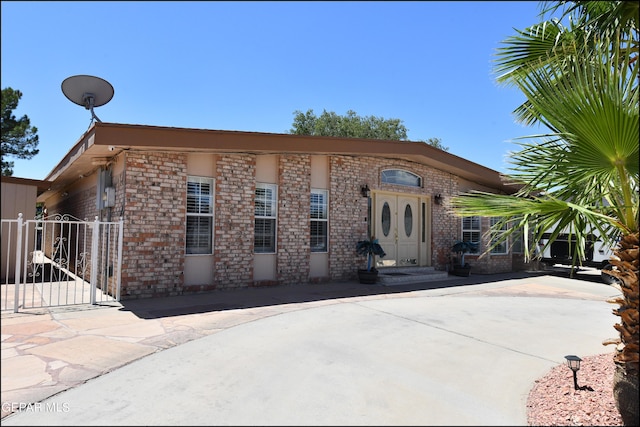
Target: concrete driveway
x=464, y=351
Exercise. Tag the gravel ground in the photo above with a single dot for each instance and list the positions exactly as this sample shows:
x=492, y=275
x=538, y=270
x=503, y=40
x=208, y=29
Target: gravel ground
x=553, y=400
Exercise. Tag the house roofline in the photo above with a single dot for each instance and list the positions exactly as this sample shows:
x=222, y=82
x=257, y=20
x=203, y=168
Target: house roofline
x=41, y=185
x=103, y=141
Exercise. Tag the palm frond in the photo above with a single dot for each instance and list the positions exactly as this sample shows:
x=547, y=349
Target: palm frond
x=534, y=216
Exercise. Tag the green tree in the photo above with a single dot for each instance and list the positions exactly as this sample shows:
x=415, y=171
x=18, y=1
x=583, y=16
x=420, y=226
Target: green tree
x=348, y=126
x=19, y=138
x=581, y=84
x=353, y=126
x=435, y=142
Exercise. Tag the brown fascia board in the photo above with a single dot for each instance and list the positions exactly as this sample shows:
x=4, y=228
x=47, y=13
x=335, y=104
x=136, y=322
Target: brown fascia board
x=81, y=146
x=42, y=185
x=144, y=137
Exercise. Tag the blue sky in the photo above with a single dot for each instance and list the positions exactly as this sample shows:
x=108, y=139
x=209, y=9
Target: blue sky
x=249, y=66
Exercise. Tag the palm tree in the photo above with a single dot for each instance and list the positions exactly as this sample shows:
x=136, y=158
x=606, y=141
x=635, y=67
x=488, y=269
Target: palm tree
x=581, y=84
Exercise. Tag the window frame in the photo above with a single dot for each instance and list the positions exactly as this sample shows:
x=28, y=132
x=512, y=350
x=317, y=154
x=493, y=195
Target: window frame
x=191, y=179
x=324, y=219
x=388, y=176
x=470, y=231
x=517, y=243
x=502, y=248
x=271, y=218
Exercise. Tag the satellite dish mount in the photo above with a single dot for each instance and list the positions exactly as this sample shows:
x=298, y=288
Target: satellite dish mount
x=88, y=91
x=89, y=102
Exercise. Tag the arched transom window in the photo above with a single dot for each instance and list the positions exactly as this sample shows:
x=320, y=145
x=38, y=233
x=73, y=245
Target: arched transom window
x=401, y=177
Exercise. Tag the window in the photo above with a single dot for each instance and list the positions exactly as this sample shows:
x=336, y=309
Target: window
x=408, y=220
x=471, y=230
x=401, y=177
x=265, y=218
x=501, y=248
x=517, y=246
x=199, y=240
x=386, y=219
x=319, y=220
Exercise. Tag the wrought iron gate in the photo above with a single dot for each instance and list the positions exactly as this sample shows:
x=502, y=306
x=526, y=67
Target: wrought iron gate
x=59, y=261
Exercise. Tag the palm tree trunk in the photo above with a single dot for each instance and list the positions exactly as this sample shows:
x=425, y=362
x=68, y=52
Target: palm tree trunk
x=627, y=356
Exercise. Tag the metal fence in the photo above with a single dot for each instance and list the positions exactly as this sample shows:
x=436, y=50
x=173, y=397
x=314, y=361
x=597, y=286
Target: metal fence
x=58, y=261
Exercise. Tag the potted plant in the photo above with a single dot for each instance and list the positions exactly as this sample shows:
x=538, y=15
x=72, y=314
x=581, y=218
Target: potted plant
x=370, y=248
x=461, y=247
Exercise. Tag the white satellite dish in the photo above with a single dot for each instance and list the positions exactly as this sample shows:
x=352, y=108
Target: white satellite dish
x=88, y=91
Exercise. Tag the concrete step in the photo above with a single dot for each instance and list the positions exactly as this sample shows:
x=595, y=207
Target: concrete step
x=390, y=276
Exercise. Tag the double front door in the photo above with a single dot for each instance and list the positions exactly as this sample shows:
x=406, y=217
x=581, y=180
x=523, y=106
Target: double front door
x=398, y=228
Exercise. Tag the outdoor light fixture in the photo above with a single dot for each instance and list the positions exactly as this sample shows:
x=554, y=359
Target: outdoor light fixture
x=437, y=199
x=574, y=364
x=365, y=190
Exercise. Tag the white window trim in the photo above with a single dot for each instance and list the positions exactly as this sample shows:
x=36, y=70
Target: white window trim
x=212, y=181
x=273, y=187
x=418, y=177
x=505, y=244
x=325, y=195
x=474, y=230
x=517, y=243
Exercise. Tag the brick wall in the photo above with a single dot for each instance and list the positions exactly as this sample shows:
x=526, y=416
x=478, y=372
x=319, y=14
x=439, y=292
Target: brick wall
x=347, y=214
x=294, y=195
x=151, y=196
x=81, y=205
x=234, y=223
x=445, y=228
x=155, y=209
x=348, y=209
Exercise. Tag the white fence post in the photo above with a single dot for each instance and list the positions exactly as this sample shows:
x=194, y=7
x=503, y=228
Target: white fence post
x=95, y=238
x=120, y=242
x=18, y=263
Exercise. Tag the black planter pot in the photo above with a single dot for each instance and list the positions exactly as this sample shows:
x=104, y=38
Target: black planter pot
x=368, y=277
x=459, y=270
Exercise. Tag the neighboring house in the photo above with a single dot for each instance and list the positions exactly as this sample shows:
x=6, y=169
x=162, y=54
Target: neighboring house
x=211, y=209
x=19, y=196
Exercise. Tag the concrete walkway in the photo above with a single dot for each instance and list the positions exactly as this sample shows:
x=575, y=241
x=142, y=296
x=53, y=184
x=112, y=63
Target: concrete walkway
x=462, y=351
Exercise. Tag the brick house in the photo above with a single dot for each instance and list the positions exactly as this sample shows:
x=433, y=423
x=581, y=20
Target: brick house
x=211, y=209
